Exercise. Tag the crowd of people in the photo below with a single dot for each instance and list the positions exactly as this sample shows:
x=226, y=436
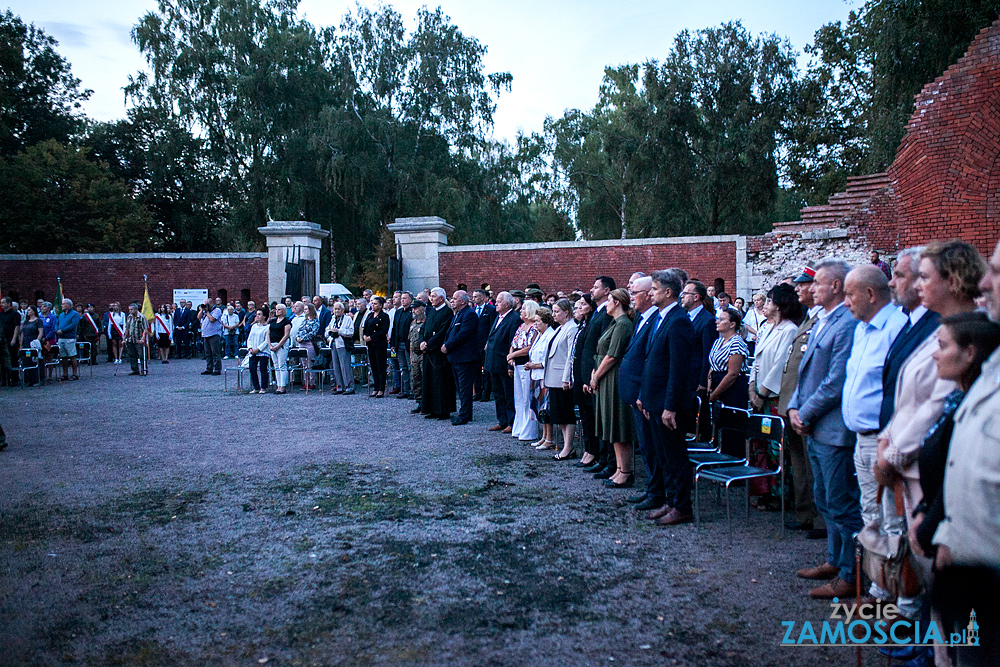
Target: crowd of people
x=887, y=381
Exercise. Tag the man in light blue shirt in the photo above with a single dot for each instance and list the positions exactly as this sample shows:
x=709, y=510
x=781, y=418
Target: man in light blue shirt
x=867, y=295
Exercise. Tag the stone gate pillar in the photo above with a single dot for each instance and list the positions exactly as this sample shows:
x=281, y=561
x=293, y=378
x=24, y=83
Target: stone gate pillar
x=418, y=241
x=283, y=236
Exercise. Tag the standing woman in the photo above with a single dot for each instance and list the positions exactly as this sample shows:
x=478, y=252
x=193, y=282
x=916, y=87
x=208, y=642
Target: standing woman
x=558, y=375
x=279, y=331
x=582, y=312
x=163, y=330
x=376, y=337
x=338, y=333
x=615, y=422
x=538, y=356
x=525, y=420
x=753, y=320
x=306, y=339
x=31, y=337
x=728, y=362
x=258, y=353
x=784, y=310
x=50, y=322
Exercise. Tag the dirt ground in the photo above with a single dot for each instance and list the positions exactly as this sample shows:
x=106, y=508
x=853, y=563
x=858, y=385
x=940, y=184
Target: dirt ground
x=159, y=521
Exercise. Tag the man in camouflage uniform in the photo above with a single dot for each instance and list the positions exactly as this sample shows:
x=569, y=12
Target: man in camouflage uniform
x=416, y=356
x=135, y=336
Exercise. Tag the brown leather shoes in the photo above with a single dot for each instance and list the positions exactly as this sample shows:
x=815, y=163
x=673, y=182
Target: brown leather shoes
x=509, y=429
x=653, y=515
x=837, y=588
x=496, y=427
x=675, y=517
x=824, y=571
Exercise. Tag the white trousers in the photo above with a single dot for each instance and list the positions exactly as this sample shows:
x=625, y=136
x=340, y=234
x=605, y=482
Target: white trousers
x=525, y=422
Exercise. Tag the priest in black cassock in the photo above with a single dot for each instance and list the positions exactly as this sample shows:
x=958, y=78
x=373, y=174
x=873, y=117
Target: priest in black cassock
x=438, y=399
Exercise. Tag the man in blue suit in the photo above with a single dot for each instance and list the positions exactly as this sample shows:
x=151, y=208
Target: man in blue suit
x=462, y=347
x=487, y=314
x=814, y=411
x=695, y=300
x=666, y=395
x=497, y=346
x=630, y=382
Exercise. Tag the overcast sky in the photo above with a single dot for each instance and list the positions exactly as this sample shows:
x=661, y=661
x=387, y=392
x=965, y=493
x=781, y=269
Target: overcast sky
x=556, y=50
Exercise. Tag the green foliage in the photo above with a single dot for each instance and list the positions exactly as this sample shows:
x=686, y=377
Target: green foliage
x=59, y=201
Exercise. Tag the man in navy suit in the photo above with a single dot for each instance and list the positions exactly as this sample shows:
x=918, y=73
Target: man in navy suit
x=629, y=383
x=487, y=314
x=497, y=346
x=666, y=395
x=694, y=299
x=462, y=347
x=814, y=411
x=182, y=335
x=921, y=324
x=323, y=314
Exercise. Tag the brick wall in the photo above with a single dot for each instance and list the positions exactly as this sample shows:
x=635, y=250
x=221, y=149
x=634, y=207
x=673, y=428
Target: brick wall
x=569, y=266
x=101, y=279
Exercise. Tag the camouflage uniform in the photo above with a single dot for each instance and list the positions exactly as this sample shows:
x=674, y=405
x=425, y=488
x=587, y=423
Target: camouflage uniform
x=135, y=328
x=416, y=361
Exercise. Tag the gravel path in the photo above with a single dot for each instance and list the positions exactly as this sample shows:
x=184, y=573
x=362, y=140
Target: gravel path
x=160, y=521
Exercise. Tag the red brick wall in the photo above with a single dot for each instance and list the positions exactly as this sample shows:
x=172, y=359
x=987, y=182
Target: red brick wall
x=576, y=267
x=103, y=280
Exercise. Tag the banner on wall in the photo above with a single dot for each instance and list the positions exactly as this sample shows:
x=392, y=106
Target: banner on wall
x=195, y=296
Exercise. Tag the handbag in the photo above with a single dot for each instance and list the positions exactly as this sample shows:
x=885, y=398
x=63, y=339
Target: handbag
x=544, y=416
x=887, y=557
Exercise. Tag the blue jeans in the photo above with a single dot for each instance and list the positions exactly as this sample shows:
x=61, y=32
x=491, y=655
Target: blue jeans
x=838, y=500
x=231, y=348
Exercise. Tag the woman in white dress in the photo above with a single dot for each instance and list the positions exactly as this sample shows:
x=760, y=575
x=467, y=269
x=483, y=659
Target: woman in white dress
x=525, y=421
x=537, y=358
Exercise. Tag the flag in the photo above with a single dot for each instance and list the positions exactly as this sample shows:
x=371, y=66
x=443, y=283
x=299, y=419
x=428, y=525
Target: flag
x=59, y=297
x=147, y=306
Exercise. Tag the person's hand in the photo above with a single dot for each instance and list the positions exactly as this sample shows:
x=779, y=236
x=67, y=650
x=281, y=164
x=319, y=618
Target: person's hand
x=797, y=425
x=444, y=349
x=885, y=474
x=423, y=347
x=510, y=373
x=567, y=386
x=593, y=387
x=669, y=419
x=911, y=531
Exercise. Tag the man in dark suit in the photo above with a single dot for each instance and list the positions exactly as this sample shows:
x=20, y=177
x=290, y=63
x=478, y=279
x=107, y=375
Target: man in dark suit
x=461, y=345
x=439, y=381
x=922, y=323
x=604, y=464
x=497, y=346
x=666, y=395
x=814, y=411
x=487, y=315
x=323, y=314
x=399, y=340
x=694, y=299
x=182, y=333
x=630, y=381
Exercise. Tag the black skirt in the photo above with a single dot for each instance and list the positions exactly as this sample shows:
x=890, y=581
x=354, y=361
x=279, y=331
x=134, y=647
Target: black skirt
x=561, y=406
x=163, y=340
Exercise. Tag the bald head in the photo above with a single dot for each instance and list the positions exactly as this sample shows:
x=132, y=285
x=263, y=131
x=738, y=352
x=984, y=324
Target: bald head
x=866, y=291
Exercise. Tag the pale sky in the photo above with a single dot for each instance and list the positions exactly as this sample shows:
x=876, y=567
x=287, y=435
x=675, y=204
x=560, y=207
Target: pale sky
x=556, y=50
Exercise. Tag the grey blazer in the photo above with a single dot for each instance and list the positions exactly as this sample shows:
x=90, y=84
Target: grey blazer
x=822, y=371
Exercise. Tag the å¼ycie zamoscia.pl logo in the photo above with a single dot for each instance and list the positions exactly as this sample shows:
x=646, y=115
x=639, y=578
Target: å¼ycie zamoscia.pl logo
x=878, y=624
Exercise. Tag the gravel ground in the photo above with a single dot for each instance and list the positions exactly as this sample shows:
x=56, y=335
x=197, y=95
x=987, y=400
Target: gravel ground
x=160, y=521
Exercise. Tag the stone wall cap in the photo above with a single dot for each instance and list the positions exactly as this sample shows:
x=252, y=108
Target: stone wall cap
x=425, y=224
x=293, y=227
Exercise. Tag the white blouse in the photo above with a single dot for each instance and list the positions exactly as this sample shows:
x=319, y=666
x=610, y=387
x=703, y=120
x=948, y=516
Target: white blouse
x=536, y=354
x=258, y=339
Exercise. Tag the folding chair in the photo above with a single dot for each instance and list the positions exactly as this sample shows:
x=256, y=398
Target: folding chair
x=83, y=352
x=238, y=369
x=693, y=443
x=727, y=419
x=299, y=355
x=27, y=360
x=758, y=427
x=359, y=359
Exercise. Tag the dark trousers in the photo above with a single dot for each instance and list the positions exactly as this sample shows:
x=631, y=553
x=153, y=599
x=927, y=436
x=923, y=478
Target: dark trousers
x=259, y=377
x=134, y=351
x=213, y=353
x=503, y=395
x=465, y=377
x=802, y=479
x=591, y=444
x=644, y=434
x=483, y=382
x=111, y=352
x=377, y=353
x=8, y=360
x=676, y=470
x=182, y=343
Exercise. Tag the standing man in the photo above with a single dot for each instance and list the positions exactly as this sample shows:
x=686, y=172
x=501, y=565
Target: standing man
x=496, y=348
x=69, y=322
x=882, y=266
x=487, y=314
x=182, y=324
x=416, y=357
x=135, y=336
x=693, y=299
x=806, y=516
x=814, y=412
x=10, y=327
x=323, y=313
x=394, y=361
x=105, y=328
x=461, y=345
x=439, y=380
x=399, y=341
x=666, y=396
x=867, y=296
x=90, y=332
x=211, y=336
x=603, y=464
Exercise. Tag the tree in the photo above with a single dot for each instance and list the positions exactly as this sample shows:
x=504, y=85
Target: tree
x=59, y=201
x=40, y=99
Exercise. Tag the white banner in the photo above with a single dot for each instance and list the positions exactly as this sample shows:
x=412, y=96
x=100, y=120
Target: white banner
x=195, y=296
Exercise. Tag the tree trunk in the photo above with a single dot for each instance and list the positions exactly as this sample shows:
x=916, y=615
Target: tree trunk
x=622, y=215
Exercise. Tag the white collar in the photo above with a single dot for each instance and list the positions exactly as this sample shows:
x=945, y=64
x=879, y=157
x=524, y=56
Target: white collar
x=916, y=314
x=693, y=313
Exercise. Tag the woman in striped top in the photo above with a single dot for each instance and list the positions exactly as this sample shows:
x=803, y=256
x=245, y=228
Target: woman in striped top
x=728, y=362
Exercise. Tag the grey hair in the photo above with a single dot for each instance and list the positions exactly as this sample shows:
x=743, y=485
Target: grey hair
x=835, y=265
x=642, y=283
x=47, y=304
x=439, y=291
x=637, y=275
x=912, y=253
x=670, y=279
x=69, y=301
x=506, y=298
x=462, y=295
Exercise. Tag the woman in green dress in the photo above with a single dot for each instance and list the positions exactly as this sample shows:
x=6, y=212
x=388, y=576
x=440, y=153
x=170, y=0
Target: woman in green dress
x=614, y=418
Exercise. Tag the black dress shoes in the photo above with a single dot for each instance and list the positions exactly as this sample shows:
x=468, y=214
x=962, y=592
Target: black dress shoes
x=627, y=484
x=460, y=422
x=594, y=466
x=650, y=503
x=634, y=500
x=606, y=473
x=415, y=411
x=431, y=416
x=798, y=525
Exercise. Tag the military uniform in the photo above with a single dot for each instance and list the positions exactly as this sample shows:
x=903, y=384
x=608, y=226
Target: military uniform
x=416, y=360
